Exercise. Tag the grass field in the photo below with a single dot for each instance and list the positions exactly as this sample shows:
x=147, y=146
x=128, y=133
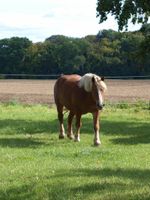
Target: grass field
x=36, y=165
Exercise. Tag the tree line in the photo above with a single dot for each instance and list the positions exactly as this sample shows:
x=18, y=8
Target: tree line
x=107, y=53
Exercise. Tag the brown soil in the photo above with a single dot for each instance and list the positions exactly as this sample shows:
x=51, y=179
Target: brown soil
x=41, y=91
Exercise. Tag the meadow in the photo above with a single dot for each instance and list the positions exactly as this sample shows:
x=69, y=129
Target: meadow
x=36, y=165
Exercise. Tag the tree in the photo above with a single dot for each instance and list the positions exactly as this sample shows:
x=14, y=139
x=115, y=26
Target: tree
x=12, y=54
x=130, y=49
x=144, y=51
x=124, y=10
x=107, y=53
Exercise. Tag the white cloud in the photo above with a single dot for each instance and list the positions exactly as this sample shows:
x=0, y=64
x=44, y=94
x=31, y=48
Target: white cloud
x=40, y=19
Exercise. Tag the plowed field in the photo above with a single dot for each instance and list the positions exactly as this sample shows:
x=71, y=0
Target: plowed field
x=41, y=91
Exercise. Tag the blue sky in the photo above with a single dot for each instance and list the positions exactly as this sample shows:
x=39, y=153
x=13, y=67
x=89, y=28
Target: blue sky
x=39, y=19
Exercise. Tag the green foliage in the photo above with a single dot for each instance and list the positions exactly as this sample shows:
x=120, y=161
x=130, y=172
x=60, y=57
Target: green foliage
x=107, y=53
x=144, y=53
x=35, y=164
x=12, y=54
x=138, y=11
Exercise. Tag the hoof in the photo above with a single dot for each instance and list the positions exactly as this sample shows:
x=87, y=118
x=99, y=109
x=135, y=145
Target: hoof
x=71, y=137
x=61, y=136
x=77, y=139
x=97, y=143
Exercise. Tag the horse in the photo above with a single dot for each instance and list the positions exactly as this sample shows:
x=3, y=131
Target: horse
x=79, y=95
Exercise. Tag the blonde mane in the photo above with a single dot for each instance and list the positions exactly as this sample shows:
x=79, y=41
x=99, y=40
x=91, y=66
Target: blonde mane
x=86, y=82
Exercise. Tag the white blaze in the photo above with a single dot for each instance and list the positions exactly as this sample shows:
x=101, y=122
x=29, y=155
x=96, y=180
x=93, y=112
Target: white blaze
x=100, y=97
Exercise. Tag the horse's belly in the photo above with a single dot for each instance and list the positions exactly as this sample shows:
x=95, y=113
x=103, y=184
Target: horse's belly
x=80, y=107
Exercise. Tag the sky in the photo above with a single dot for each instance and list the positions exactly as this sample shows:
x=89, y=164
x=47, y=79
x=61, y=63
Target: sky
x=40, y=19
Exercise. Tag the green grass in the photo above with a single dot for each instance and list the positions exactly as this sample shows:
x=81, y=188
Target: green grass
x=35, y=164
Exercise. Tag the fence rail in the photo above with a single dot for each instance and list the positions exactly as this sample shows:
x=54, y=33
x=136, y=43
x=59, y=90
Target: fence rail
x=53, y=76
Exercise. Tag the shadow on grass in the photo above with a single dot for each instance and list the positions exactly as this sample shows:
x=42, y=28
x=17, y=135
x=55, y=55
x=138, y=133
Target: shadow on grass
x=13, y=127
x=128, y=133
x=23, y=192
x=20, y=133
x=20, y=142
x=133, y=174
x=85, y=184
x=110, y=181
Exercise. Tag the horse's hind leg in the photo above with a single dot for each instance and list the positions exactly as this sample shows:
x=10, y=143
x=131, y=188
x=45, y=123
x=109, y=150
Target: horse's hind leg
x=70, y=131
x=60, y=118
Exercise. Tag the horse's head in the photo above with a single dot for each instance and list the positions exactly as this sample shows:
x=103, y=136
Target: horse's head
x=94, y=84
x=98, y=90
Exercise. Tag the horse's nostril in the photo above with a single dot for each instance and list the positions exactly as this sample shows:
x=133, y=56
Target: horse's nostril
x=100, y=106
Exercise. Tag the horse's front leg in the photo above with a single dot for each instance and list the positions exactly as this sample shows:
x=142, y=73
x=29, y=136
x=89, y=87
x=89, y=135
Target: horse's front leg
x=70, y=131
x=96, y=128
x=78, y=126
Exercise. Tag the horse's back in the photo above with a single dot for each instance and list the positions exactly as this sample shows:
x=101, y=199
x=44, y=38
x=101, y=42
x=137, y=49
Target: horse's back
x=66, y=81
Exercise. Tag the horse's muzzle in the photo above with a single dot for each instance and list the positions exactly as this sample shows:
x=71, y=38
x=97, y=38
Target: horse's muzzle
x=100, y=106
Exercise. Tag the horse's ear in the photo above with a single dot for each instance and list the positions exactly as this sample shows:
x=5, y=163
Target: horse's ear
x=102, y=78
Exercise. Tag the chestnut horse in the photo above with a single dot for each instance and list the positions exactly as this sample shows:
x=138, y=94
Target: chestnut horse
x=79, y=95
